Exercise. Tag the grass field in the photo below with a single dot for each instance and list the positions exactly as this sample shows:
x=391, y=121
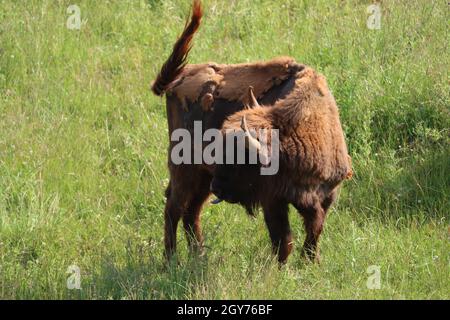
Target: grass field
x=83, y=151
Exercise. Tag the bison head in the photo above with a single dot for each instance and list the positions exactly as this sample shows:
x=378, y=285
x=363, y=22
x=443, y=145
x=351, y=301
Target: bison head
x=239, y=178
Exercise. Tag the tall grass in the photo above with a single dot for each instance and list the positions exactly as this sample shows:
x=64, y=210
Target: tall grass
x=83, y=150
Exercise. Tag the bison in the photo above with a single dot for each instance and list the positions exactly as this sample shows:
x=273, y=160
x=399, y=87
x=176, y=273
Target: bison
x=218, y=95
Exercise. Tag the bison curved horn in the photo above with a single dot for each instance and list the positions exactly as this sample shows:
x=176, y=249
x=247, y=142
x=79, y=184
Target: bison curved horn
x=251, y=98
x=251, y=141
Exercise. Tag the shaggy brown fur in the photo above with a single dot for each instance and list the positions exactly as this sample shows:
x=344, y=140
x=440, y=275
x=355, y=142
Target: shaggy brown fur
x=230, y=82
x=313, y=162
x=210, y=93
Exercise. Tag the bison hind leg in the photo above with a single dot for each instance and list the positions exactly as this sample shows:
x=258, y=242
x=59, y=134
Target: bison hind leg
x=186, y=193
x=191, y=217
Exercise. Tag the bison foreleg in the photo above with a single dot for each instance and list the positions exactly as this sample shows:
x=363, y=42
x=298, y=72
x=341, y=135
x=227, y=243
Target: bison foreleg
x=276, y=217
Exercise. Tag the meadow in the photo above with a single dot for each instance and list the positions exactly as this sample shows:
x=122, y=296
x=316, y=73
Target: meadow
x=83, y=151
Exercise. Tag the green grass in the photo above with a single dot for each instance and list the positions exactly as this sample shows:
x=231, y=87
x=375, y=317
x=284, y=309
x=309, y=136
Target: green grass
x=83, y=151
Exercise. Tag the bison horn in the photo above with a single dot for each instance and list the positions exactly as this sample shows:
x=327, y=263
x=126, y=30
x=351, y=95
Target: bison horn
x=248, y=137
x=252, y=142
x=251, y=98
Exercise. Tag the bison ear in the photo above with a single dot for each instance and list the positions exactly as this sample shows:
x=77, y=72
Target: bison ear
x=252, y=102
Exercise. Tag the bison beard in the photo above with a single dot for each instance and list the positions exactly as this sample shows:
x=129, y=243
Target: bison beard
x=311, y=166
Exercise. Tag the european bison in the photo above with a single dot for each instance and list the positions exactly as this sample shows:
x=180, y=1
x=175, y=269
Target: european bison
x=211, y=93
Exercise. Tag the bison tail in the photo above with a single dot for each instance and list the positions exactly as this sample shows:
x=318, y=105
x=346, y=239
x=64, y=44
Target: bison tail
x=176, y=62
